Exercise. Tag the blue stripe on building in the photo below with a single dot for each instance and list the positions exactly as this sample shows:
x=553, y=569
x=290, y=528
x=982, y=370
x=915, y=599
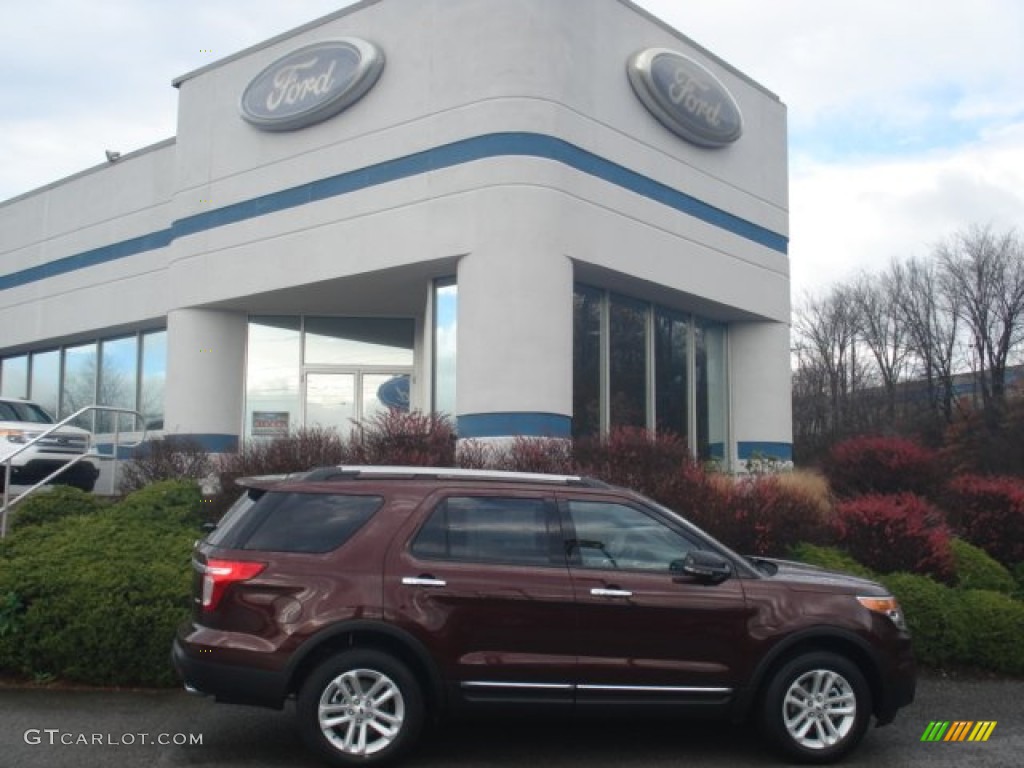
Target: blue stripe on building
x=446, y=156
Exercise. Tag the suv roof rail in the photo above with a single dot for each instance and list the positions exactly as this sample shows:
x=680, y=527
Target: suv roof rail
x=348, y=472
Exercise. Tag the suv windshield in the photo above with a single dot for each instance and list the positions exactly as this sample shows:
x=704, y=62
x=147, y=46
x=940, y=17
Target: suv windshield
x=11, y=410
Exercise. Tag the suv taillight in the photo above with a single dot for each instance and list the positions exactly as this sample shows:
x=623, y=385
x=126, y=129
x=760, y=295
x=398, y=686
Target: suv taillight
x=218, y=575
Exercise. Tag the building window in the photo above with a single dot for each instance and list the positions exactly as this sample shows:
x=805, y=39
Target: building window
x=79, y=385
x=446, y=305
x=627, y=362
x=14, y=376
x=671, y=369
x=153, y=363
x=711, y=391
x=272, y=377
x=119, y=362
x=44, y=380
x=637, y=364
x=358, y=341
x=586, y=369
x=105, y=372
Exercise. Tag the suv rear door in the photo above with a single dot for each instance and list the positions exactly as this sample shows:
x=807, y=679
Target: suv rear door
x=480, y=578
x=645, y=632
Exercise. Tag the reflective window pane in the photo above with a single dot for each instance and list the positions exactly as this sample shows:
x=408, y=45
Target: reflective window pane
x=446, y=302
x=627, y=330
x=14, y=376
x=44, y=388
x=671, y=338
x=272, y=404
x=118, y=378
x=586, y=361
x=711, y=391
x=79, y=385
x=616, y=537
x=384, y=392
x=359, y=341
x=154, y=378
x=331, y=401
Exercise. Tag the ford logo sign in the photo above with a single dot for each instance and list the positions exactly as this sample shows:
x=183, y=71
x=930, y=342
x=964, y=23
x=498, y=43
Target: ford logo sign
x=685, y=97
x=311, y=84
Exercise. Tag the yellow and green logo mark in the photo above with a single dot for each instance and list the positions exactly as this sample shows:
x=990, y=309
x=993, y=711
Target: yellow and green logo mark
x=958, y=730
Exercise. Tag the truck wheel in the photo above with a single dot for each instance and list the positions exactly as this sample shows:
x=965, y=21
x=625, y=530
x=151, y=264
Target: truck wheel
x=817, y=707
x=361, y=707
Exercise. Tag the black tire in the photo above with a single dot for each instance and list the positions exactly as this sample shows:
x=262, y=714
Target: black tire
x=376, y=708
x=817, y=707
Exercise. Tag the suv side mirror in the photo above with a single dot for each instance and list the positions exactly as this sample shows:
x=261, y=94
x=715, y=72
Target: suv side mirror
x=703, y=566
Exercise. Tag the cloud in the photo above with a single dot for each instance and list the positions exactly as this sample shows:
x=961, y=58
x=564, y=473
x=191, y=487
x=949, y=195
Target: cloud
x=852, y=217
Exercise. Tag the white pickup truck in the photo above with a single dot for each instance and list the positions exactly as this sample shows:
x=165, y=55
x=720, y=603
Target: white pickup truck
x=22, y=420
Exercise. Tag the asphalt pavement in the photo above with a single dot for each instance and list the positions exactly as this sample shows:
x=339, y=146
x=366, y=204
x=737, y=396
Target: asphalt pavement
x=60, y=728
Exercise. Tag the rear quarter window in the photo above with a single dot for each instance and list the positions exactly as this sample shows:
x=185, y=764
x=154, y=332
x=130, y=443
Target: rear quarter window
x=296, y=522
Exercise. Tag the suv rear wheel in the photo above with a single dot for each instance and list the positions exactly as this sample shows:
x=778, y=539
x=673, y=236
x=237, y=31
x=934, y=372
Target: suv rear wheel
x=361, y=707
x=817, y=707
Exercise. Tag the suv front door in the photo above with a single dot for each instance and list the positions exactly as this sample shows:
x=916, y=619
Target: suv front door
x=646, y=632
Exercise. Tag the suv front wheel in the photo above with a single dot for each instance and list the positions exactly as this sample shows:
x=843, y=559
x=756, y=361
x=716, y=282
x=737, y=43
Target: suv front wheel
x=817, y=707
x=361, y=707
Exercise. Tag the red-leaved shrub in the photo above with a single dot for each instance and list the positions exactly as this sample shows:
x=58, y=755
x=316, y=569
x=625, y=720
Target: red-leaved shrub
x=884, y=465
x=764, y=516
x=633, y=458
x=989, y=513
x=404, y=438
x=536, y=454
x=901, y=532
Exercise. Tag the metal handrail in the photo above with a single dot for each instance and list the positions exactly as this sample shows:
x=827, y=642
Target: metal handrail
x=8, y=460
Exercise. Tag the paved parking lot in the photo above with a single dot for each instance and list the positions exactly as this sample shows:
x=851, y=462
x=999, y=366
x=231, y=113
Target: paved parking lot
x=33, y=723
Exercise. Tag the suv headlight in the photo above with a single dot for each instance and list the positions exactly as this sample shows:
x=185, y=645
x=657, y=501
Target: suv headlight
x=14, y=435
x=887, y=606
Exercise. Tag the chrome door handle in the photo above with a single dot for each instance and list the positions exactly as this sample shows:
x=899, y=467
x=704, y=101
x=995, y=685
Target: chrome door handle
x=423, y=581
x=598, y=592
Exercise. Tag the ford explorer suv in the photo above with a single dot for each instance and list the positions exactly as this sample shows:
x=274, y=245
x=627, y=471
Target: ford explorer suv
x=385, y=598
x=20, y=422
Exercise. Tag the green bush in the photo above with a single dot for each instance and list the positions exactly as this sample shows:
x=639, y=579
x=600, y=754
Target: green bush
x=996, y=624
x=58, y=502
x=832, y=559
x=935, y=614
x=975, y=569
x=97, y=598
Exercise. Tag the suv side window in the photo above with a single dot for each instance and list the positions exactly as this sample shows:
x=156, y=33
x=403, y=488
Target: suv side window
x=485, y=529
x=295, y=522
x=614, y=536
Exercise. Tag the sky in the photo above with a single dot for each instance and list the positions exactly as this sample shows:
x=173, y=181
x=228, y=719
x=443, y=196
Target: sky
x=906, y=117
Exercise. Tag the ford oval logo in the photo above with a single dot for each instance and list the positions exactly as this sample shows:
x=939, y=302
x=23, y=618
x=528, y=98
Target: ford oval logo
x=685, y=97
x=311, y=84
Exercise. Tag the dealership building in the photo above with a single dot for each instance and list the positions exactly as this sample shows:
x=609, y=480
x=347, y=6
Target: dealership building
x=540, y=221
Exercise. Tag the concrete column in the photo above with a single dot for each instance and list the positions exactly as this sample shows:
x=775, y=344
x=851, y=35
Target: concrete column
x=205, y=388
x=759, y=370
x=514, y=367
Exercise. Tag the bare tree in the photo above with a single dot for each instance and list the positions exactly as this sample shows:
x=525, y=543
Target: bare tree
x=825, y=330
x=983, y=274
x=931, y=319
x=881, y=327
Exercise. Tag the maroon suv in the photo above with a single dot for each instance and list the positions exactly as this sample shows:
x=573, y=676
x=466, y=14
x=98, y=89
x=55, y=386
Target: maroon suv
x=384, y=597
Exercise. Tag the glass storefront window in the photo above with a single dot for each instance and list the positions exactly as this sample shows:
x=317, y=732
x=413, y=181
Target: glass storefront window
x=118, y=379
x=154, y=378
x=671, y=337
x=14, y=376
x=272, y=401
x=711, y=391
x=627, y=362
x=637, y=364
x=446, y=303
x=79, y=385
x=44, y=387
x=586, y=361
x=359, y=341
